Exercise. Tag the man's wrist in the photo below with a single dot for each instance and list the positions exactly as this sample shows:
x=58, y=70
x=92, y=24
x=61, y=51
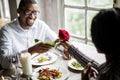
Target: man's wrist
x=31, y=50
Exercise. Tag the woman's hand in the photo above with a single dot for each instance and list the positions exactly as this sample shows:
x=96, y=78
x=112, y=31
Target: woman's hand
x=66, y=45
x=39, y=48
x=89, y=72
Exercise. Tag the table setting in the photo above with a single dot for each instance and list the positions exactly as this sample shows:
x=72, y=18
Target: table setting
x=33, y=66
x=50, y=65
x=60, y=64
x=30, y=71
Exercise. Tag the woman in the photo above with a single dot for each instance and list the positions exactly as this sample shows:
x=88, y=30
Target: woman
x=105, y=36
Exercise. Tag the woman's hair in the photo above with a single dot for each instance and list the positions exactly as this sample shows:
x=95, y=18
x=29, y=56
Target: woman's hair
x=23, y=3
x=105, y=31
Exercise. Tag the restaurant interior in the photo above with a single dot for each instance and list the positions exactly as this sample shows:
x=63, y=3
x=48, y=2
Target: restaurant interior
x=51, y=12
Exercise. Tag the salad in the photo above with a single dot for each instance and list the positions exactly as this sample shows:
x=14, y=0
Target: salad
x=49, y=74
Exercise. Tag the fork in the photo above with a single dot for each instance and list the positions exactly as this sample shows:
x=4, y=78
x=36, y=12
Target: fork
x=47, y=54
x=66, y=78
x=58, y=68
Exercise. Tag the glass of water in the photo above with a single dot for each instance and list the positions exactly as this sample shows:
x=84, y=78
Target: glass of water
x=15, y=63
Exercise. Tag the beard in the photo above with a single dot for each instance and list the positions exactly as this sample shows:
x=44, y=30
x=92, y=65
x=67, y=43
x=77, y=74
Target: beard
x=30, y=22
x=26, y=22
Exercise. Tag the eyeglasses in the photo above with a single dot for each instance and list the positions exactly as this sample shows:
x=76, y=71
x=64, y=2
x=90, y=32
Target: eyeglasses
x=28, y=12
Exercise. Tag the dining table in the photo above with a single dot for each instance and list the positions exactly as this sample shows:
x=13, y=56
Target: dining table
x=60, y=62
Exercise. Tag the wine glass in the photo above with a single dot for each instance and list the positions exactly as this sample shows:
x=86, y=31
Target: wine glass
x=15, y=62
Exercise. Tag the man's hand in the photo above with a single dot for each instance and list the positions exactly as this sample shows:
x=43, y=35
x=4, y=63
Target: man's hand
x=39, y=48
x=89, y=72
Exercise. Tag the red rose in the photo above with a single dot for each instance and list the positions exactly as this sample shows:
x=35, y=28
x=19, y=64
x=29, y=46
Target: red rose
x=64, y=35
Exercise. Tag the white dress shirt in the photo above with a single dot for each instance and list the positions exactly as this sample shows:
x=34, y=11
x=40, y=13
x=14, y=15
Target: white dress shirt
x=15, y=40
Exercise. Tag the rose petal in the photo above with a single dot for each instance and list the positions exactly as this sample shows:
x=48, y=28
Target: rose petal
x=64, y=35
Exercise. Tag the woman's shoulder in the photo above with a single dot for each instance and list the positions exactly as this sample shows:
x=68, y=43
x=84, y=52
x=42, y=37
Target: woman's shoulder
x=109, y=72
x=109, y=76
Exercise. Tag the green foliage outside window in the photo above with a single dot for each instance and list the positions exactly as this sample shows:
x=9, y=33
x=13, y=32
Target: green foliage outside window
x=78, y=20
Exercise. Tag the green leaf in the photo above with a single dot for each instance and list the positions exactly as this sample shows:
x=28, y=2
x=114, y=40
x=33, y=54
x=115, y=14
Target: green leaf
x=55, y=46
x=50, y=43
x=36, y=40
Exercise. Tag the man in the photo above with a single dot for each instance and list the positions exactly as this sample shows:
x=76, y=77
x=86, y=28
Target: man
x=18, y=36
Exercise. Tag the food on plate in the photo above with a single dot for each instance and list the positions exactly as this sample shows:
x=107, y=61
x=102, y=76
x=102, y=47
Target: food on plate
x=42, y=59
x=49, y=74
x=75, y=65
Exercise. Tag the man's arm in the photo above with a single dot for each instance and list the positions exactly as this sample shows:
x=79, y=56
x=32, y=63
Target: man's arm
x=5, y=48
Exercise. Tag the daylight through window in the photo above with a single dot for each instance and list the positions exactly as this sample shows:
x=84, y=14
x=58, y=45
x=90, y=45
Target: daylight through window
x=78, y=15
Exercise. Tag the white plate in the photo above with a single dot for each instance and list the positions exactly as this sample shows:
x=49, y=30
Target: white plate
x=52, y=58
x=72, y=67
x=62, y=69
x=75, y=77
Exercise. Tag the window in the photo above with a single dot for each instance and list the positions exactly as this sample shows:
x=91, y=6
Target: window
x=78, y=15
x=5, y=9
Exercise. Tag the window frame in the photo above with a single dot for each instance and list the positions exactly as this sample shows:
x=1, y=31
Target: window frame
x=4, y=11
x=62, y=6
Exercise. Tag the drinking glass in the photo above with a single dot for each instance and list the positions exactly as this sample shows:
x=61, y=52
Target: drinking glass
x=15, y=62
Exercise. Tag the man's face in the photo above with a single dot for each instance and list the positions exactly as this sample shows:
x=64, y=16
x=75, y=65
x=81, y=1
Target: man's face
x=28, y=15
